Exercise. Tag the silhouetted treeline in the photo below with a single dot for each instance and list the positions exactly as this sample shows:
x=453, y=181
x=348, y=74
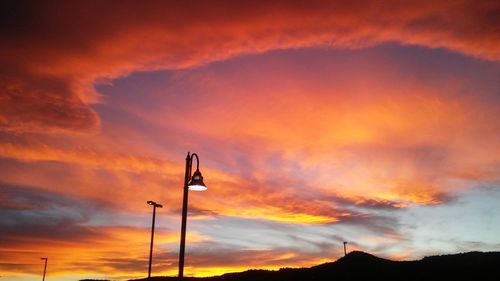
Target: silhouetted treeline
x=363, y=266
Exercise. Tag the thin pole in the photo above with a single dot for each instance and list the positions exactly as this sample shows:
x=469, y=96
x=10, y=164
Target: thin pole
x=184, y=216
x=44, y=268
x=152, y=237
x=345, y=250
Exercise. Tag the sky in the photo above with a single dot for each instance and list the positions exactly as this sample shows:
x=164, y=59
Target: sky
x=315, y=122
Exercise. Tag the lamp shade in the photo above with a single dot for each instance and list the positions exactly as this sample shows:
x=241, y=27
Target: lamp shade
x=196, y=183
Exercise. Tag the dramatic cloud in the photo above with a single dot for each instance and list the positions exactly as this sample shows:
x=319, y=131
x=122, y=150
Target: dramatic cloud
x=38, y=223
x=316, y=123
x=156, y=176
x=52, y=54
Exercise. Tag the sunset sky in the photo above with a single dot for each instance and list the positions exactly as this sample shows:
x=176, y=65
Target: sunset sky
x=316, y=122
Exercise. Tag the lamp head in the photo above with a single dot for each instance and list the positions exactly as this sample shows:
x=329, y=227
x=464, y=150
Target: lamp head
x=152, y=203
x=196, y=183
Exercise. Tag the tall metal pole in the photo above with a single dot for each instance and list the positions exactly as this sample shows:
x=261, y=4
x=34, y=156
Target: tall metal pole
x=345, y=250
x=152, y=237
x=44, y=268
x=184, y=216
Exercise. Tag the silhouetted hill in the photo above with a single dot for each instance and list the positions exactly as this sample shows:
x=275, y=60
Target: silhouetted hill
x=363, y=266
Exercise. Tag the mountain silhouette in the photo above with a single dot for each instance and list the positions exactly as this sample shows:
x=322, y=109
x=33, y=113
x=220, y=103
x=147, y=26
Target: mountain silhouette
x=363, y=266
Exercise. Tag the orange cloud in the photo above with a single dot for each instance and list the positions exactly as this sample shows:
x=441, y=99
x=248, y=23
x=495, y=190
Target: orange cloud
x=54, y=59
x=86, y=156
x=138, y=179
x=132, y=175
x=359, y=138
x=76, y=247
x=115, y=250
x=385, y=137
x=308, y=151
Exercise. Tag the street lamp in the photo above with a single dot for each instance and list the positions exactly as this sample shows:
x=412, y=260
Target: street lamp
x=155, y=205
x=44, y=268
x=191, y=182
x=345, y=248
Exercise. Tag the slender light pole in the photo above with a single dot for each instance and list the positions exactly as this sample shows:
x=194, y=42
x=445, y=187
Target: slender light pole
x=196, y=184
x=44, y=268
x=345, y=249
x=155, y=205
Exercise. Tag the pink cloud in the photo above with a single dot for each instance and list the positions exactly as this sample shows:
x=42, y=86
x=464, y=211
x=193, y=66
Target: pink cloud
x=53, y=54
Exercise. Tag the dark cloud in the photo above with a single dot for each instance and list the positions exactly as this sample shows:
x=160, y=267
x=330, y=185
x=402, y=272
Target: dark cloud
x=28, y=198
x=366, y=203
x=30, y=102
x=194, y=212
x=381, y=225
x=379, y=204
x=468, y=246
x=33, y=214
x=18, y=198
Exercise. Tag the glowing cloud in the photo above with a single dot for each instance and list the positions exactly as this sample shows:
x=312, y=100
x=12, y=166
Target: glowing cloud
x=316, y=122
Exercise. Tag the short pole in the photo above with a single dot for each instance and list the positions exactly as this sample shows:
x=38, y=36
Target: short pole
x=155, y=205
x=44, y=268
x=152, y=237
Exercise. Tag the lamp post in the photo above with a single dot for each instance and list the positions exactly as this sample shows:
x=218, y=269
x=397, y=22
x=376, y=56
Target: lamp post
x=44, y=268
x=191, y=182
x=155, y=205
x=345, y=249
